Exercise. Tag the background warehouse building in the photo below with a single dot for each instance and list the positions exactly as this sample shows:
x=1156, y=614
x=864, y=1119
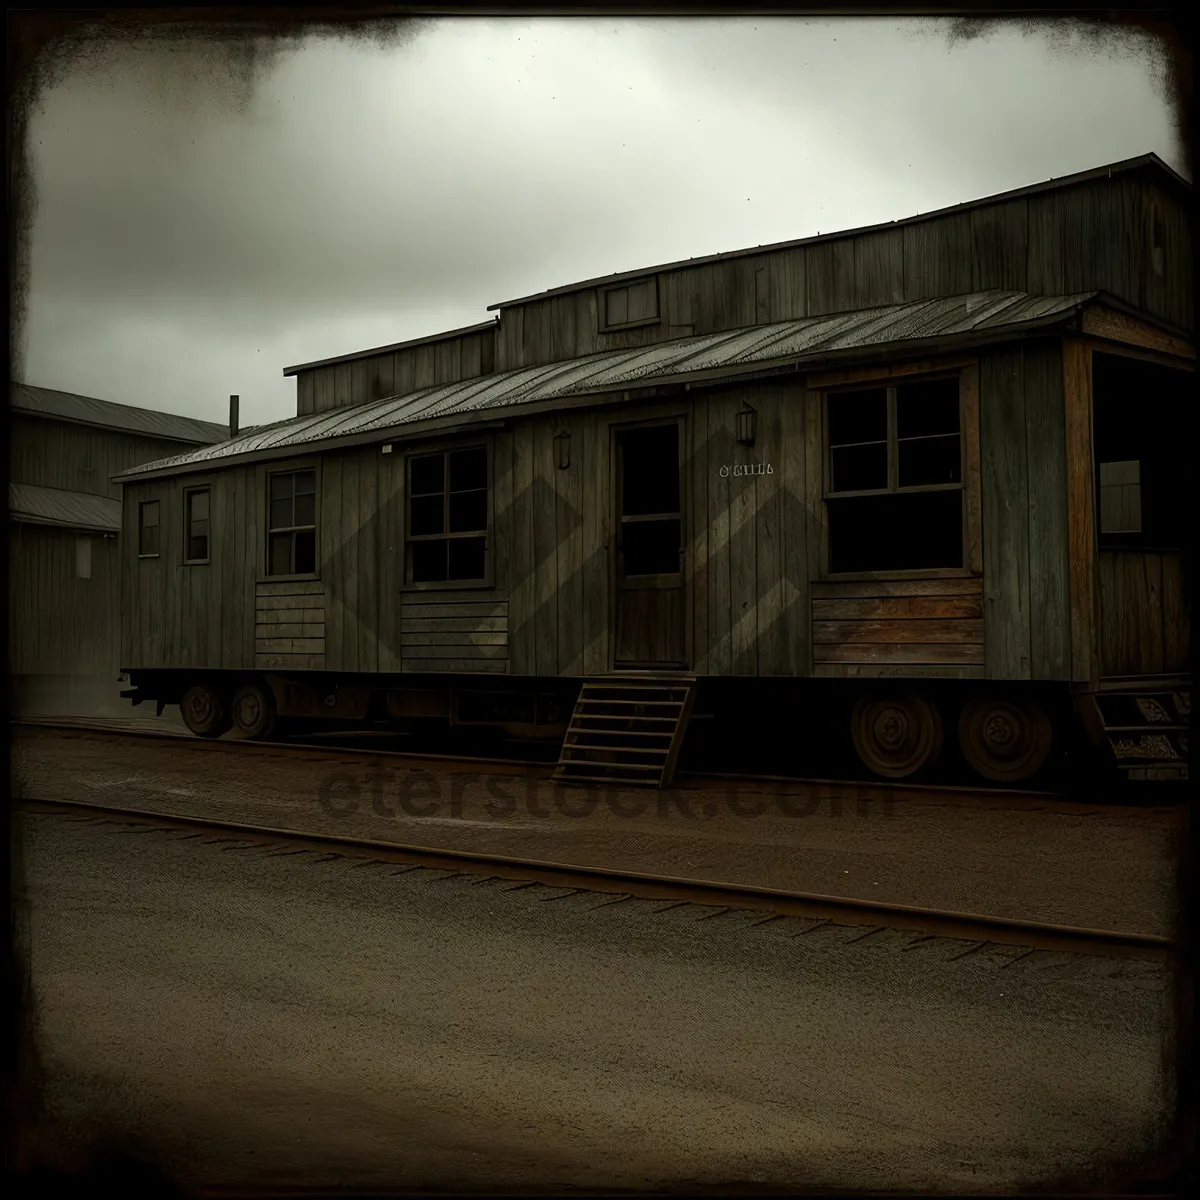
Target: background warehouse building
x=65, y=524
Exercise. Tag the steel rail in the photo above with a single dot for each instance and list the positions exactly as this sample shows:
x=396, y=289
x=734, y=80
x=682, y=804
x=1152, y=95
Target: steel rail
x=839, y=910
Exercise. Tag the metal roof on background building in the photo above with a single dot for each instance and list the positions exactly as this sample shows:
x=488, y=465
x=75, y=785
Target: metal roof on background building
x=87, y=410
x=732, y=352
x=67, y=510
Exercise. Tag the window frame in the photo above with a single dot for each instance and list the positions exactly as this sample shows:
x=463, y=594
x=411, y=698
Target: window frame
x=188, y=493
x=265, y=473
x=488, y=579
x=141, y=526
x=603, y=293
x=822, y=386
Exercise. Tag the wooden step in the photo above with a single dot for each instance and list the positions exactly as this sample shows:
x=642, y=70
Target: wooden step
x=649, y=711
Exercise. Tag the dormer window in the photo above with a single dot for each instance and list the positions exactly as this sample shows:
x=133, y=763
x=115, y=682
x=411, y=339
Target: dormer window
x=629, y=305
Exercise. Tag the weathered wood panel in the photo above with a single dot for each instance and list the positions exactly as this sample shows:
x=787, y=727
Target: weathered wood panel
x=938, y=257
x=879, y=268
x=435, y=633
x=1144, y=628
x=1005, y=492
x=290, y=625
x=928, y=622
x=999, y=233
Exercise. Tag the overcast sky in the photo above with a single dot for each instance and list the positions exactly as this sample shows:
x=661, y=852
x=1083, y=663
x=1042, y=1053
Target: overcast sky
x=193, y=236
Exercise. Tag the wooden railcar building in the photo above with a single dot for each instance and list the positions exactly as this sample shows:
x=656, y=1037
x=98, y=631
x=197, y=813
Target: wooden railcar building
x=65, y=519
x=931, y=467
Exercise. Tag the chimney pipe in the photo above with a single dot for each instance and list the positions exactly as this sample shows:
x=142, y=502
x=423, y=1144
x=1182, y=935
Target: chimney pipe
x=233, y=416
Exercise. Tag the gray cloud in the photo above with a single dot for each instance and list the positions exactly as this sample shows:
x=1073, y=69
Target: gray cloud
x=190, y=240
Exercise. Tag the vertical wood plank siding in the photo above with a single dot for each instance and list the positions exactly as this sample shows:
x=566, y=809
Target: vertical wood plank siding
x=1024, y=491
x=1093, y=236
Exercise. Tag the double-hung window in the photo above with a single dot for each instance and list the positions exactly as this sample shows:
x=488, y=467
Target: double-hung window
x=448, y=517
x=894, y=476
x=292, y=523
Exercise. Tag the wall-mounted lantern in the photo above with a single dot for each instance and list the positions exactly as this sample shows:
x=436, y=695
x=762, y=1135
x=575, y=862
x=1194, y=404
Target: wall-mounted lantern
x=747, y=425
x=562, y=449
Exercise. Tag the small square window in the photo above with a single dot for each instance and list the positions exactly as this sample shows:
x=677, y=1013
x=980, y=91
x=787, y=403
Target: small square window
x=629, y=305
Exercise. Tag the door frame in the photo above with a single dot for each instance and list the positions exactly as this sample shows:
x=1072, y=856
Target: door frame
x=676, y=416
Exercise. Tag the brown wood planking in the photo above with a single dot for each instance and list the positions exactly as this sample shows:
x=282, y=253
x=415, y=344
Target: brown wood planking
x=899, y=630
x=1174, y=615
x=848, y=589
x=1081, y=546
x=794, y=520
x=720, y=533
x=313, y=629
x=596, y=504
x=464, y=665
x=1049, y=640
x=879, y=268
x=285, y=616
x=424, y=611
x=770, y=584
x=899, y=671
x=462, y=650
x=1150, y=627
x=545, y=551
x=366, y=540
x=447, y=637
x=273, y=645
x=569, y=519
x=1004, y=486
x=298, y=587
x=1044, y=250
x=829, y=277
x=523, y=594
x=293, y=662
x=901, y=652
x=451, y=624
x=998, y=234
x=895, y=607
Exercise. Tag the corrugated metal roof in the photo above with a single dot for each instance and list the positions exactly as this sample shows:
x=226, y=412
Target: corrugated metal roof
x=88, y=410
x=1141, y=162
x=754, y=348
x=68, y=510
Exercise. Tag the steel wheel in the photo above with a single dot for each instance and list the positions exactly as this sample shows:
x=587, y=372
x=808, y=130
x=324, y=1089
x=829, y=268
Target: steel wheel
x=254, y=711
x=204, y=711
x=896, y=735
x=1005, y=740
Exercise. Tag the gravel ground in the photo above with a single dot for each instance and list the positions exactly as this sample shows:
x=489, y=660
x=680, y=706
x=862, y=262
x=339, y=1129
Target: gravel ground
x=1063, y=863
x=261, y=1017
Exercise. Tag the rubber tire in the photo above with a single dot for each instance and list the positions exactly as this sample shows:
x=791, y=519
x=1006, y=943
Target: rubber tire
x=253, y=711
x=205, y=711
x=896, y=734
x=1020, y=742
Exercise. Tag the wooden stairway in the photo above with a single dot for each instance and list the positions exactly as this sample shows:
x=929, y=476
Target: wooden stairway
x=626, y=731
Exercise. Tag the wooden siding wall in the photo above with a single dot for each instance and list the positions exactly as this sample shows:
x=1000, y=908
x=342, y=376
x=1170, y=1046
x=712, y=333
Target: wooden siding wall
x=60, y=624
x=1094, y=236
x=754, y=542
x=1024, y=493
x=79, y=458
x=396, y=373
x=1144, y=621
x=916, y=626
x=289, y=625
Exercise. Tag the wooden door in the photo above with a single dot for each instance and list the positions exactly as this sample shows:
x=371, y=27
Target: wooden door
x=649, y=525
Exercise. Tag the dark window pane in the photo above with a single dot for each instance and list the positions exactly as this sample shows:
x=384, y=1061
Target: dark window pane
x=651, y=547
x=929, y=460
x=198, y=504
x=643, y=300
x=466, y=558
x=197, y=547
x=281, y=487
x=468, y=469
x=858, y=468
x=650, y=471
x=148, y=540
x=425, y=515
x=306, y=551
x=616, y=306
x=428, y=561
x=306, y=509
x=426, y=474
x=896, y=532
x=280, y=561
x=281, y=513
x=306, y=483
x=468, y=511
x=150, y=512
x=927, y=408
x=858, y=417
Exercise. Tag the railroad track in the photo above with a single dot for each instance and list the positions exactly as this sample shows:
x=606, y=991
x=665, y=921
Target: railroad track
x=976, y=928
x=1008, y=798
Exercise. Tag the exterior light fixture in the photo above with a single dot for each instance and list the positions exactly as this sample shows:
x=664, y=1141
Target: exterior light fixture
x=747, y=425
x=562, y=449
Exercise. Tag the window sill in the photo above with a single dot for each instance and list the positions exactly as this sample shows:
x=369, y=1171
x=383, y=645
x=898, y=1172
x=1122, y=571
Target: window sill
x=312, y=577
x=196, y=562
x=912, y=573
x=461, y=585
x=142, y=557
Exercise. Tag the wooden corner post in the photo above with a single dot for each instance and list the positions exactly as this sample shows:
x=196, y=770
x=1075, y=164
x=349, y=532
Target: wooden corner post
x=1081, y=515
